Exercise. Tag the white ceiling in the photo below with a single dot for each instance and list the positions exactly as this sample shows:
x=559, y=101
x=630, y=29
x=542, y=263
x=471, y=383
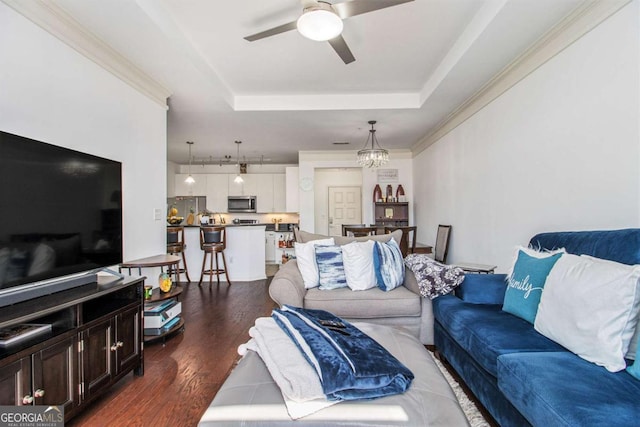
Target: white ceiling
x=415, y=63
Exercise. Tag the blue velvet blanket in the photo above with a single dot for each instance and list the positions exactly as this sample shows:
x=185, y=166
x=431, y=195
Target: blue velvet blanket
x=350, y=364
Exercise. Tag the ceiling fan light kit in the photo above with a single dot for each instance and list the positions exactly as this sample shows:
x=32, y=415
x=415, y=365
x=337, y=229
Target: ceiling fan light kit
x=375, y=156
x=320, y=23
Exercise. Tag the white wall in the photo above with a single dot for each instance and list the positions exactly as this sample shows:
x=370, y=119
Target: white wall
x=310, y=161
x=51, y=93
x=558, y=151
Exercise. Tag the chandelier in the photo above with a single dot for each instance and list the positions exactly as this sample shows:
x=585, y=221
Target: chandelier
x=376, y=155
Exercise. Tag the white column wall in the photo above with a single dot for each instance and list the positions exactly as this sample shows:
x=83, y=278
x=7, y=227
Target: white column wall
x=558, y=151
x=310, y=161
x=51, y=93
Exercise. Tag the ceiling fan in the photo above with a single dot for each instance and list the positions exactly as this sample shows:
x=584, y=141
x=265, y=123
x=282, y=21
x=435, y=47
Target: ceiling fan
x=322, y=21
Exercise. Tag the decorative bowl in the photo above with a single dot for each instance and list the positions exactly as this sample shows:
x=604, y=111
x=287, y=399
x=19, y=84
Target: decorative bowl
x=175, y=220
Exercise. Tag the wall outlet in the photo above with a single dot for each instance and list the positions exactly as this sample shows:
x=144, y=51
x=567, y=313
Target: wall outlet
x=157, y=214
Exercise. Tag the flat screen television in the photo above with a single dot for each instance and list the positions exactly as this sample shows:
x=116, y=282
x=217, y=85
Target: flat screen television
x=60, y=215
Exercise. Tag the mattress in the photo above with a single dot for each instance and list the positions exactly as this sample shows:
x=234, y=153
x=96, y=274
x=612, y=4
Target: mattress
x=250, y=397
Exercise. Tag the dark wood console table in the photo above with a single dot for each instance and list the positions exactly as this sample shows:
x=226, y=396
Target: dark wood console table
x=94, y=341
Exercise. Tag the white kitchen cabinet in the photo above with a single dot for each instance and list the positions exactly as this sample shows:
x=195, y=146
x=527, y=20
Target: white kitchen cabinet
x=198, y=188
x=264, y=193
x=279, y=193
x=249, y=186
x=292, y=189
x=217, y=192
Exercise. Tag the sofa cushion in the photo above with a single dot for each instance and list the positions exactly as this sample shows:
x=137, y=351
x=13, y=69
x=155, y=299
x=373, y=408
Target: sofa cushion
x=635, y=368
x=561, y=389
x=304, y=236
x=370, y=304
x=615, y=245
x=486, y=332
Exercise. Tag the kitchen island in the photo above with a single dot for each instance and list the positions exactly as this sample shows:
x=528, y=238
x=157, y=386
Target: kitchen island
x=245, y=252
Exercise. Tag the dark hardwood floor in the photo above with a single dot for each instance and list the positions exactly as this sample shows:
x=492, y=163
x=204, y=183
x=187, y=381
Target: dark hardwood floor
x=182, y=377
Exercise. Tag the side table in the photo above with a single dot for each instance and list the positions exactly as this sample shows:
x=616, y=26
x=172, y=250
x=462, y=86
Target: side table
x=157, y=295
x=161, y=261
x=477, y=268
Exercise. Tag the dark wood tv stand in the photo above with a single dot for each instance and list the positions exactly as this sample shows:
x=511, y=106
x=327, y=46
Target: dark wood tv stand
x=95, y=340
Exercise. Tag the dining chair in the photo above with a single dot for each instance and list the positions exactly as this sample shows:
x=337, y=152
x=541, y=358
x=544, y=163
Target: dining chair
x=441, y=249
x=360, y=231
x=408, y=240
x=344, y=233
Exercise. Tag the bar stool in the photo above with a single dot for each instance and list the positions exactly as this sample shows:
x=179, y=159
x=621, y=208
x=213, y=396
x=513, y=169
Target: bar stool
x=176, y=246
x=213, y=242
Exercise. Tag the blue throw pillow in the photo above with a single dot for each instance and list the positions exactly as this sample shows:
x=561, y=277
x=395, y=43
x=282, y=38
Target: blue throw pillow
x=330, y=267
x=635, y=368
x=525, y=284
x=388, y=264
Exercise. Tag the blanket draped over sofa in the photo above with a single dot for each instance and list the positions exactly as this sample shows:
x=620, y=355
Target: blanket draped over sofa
x=519, y=375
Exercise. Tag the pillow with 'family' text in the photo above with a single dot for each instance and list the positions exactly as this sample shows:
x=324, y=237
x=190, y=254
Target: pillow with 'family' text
x=388, y=264
x=526, y=281
x=306, y=259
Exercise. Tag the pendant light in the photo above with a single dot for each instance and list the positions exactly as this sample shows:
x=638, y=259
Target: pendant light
x=375, y=156
x=238, y=179
x=190, y=179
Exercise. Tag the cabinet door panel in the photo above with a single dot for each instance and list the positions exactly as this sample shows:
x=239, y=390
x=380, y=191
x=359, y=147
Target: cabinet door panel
x=279, y=193
x=15, y=382
x=264, y=192
x=198, y=188
x=97, y=357
x=217, y=192
x=55, y=371
x=128, y=339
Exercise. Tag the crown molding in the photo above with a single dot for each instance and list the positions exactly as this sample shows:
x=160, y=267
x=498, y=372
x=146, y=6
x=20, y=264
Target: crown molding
x=582, y=20
x=327, y=102
x=55, y=20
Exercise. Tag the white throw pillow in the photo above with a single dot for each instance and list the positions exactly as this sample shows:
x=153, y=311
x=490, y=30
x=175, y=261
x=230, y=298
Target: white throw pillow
x=306, y=259
x=589, y=306
x=357, y=258
x=633, y=343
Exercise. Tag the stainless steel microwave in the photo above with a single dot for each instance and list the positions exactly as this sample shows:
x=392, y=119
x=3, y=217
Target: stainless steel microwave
x=241, y=204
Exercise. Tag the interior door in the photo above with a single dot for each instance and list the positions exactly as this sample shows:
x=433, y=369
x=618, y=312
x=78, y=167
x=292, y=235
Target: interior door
x=345, y=207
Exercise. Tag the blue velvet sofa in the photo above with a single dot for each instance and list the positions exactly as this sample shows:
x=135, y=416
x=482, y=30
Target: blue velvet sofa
x=521, y=377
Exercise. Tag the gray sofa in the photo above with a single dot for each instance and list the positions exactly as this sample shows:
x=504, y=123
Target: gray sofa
x=400, y=307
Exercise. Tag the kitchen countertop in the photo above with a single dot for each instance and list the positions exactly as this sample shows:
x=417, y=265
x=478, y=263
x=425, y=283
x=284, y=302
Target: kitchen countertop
x=264, y=224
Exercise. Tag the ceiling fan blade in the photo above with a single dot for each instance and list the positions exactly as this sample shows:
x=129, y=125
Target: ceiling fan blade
x=348, y=9
x=340, y=46
x=272, y=32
